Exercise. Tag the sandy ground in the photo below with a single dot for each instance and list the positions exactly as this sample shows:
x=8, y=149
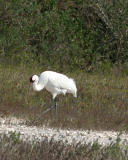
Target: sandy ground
x=72, y=137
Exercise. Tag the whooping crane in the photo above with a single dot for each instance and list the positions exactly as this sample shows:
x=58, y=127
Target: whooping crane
x=55, y=83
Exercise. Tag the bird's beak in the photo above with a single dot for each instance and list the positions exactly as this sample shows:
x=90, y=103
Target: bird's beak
x=28, y=94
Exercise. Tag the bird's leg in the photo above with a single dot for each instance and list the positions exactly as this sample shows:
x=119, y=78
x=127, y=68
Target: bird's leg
x=56, y=106
x=48, y=109
x=52, y=106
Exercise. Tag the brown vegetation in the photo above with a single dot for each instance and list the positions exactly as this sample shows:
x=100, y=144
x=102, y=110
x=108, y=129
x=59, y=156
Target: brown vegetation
x=102, y=102
x=12, y=148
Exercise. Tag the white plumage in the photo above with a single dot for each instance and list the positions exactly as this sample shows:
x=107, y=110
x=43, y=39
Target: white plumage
x=55, y=83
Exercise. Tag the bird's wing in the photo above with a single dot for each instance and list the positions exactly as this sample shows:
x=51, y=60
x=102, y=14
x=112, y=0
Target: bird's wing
x=60, y=81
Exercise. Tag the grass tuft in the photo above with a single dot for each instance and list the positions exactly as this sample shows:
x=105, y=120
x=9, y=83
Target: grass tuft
x=102, y=102
x=10, y=150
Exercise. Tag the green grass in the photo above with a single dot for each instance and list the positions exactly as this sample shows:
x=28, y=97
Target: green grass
x=102, y=102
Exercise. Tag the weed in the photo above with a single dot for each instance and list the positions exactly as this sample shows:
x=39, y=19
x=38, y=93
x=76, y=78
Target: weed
x=15, y=137
x=58, y=151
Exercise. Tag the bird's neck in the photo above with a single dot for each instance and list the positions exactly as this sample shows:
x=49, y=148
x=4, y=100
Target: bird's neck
x=37, y=86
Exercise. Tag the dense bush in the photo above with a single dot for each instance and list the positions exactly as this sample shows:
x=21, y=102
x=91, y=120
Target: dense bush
x=79, y=33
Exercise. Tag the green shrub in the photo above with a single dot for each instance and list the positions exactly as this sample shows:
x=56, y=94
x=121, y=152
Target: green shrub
x=75, y=34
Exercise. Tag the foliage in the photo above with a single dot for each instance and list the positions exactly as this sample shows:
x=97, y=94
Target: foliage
x=75, y=34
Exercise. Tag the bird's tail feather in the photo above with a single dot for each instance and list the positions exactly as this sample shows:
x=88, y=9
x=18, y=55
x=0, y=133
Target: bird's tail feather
x=73, y=88
x=75, y=95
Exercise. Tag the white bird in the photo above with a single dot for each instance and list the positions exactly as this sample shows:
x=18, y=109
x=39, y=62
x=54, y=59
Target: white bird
x=55, y=83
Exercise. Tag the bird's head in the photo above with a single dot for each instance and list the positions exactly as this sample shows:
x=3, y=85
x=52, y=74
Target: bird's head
x=34, y=78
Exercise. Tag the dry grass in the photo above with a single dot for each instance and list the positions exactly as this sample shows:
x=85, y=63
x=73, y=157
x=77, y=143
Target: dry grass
x=12, y=148
x=102, y=102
